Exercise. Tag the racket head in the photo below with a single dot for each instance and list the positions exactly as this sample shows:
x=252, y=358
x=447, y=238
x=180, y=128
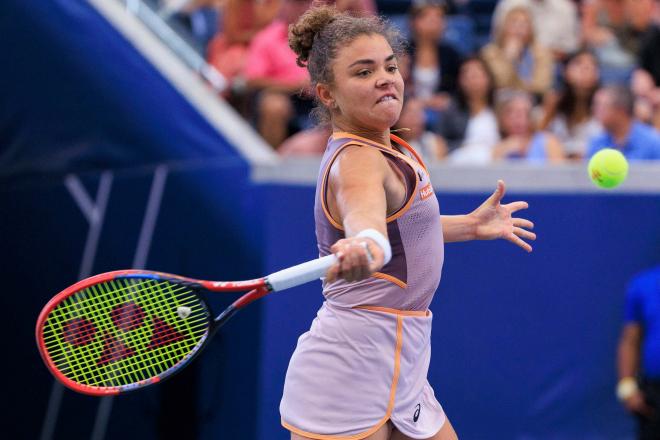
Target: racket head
x=124, y=330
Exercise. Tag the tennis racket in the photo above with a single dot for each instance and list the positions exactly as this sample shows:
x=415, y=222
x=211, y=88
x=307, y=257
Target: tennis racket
x=125, y=330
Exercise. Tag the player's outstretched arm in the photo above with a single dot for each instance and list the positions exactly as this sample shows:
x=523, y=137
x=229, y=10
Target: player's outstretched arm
x=360, y=201
x=490, y=221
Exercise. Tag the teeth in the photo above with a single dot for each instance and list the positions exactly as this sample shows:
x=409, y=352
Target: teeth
x=386, y=98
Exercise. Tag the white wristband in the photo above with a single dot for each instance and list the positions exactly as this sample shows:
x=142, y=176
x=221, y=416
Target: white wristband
x=380, y=241
x=626, y=388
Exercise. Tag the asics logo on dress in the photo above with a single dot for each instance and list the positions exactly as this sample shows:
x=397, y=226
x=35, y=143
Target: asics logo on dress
x=418, y=408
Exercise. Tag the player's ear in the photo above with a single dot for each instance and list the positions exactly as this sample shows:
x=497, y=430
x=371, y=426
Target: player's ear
x=325, y=95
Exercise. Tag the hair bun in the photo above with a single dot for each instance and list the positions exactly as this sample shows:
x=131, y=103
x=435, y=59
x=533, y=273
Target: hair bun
x=308, y=26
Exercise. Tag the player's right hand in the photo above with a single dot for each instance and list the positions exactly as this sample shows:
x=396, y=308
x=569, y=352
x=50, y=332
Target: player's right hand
x=358, y=258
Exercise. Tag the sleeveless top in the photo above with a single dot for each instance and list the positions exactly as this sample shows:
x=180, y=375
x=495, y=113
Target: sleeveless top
x=410, y=279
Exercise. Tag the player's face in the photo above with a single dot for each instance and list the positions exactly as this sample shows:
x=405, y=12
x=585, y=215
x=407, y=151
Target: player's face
x=367, y=93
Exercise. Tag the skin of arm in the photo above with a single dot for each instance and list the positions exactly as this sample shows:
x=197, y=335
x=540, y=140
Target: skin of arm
x=628, y=352
x=490, y=221
x=358, y=200
x=628, y=365
x=554, y=149
x=359, y=196
x=458, y=228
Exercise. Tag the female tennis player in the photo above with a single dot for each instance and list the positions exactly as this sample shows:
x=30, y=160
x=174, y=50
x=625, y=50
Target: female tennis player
x=360, y=371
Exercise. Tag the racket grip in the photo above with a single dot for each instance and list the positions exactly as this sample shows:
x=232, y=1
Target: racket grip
x=301, y=273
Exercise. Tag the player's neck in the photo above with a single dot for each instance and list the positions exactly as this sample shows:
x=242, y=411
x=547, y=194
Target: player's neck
x=376, y=136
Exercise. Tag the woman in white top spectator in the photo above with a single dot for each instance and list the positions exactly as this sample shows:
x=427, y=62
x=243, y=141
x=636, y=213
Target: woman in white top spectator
x=469, y=126
x=568, y=114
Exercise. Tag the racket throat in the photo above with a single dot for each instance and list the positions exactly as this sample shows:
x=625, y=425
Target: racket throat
x=223, y=317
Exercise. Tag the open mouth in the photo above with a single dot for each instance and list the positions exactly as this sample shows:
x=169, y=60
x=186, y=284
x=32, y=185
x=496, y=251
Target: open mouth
x=386, y=98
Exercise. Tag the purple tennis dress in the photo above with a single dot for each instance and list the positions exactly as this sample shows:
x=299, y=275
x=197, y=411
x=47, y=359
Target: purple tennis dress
x=365, y=359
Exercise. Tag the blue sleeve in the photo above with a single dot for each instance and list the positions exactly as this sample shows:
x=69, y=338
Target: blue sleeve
x=632, y=311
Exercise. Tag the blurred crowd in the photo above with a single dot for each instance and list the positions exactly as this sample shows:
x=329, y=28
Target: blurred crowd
x=546, y=81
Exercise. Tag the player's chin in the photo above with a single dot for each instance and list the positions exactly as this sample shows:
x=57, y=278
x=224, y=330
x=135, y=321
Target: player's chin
x=383, y=120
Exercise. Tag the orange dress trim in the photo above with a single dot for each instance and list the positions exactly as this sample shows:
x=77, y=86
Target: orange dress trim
x=390, y=278
x=394, y=311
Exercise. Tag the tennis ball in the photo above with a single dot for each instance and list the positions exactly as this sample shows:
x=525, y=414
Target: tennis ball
x=608, y=168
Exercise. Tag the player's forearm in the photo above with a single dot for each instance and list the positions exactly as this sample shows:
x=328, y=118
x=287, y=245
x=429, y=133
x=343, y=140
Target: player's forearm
x=628, y=359
x=458, y=228
x=359, y=220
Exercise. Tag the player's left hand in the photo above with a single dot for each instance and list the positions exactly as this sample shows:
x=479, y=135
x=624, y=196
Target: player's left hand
x=494, y=220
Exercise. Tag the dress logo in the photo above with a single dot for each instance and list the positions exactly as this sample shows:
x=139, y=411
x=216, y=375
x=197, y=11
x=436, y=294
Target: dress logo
x=417, y=410
x=426, y=192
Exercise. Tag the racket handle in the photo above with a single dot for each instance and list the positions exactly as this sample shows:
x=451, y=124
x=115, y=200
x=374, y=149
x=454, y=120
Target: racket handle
x=301, y=273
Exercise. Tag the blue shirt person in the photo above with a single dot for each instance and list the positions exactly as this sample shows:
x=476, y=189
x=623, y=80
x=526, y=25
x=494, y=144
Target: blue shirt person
x=639, y=353
x=613, y=107
x=642, y=306
x=642, y=143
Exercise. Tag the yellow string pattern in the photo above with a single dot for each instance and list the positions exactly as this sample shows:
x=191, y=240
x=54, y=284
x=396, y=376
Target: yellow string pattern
x=124, y=331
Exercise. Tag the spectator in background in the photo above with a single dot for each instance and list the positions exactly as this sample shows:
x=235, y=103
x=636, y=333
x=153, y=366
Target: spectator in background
x=568, y=115
x=519, y=139
x=271, y=71
x=639, y=353
x=646, y=79
x=556, y=23
x=354, y=7
x=469, y=126
x=240, y=22
x=647, y=98
x=639, y=22
x=411, y=128
x=310, y=142
x=434, y=64
x=198, y=17
x=614, y=109
x=605, y=31
x=515, y=58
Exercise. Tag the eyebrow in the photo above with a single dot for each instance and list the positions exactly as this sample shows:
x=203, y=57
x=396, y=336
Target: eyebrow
x=367, y=61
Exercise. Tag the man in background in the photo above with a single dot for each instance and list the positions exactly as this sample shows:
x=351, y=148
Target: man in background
x=614, y=108
x=639, y=353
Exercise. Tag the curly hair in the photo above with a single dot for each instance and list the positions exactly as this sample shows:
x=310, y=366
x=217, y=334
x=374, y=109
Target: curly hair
x=322, y=31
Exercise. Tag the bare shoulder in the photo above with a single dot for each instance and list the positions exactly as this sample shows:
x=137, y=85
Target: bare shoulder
x=359, y=161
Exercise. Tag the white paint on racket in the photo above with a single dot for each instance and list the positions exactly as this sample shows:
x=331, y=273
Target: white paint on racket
x=183, y=312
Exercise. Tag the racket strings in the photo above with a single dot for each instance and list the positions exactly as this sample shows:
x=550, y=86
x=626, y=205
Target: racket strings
x=117, y=373
x=124, y=331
